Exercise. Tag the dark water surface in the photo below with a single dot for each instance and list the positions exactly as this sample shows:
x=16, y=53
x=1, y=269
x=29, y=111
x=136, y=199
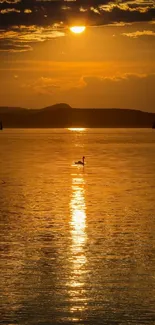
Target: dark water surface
x=77, y=244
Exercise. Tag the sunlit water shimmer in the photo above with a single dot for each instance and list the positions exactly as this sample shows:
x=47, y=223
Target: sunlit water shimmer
x=77, y=243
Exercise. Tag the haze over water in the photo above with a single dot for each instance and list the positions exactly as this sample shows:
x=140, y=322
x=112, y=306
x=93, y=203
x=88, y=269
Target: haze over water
x=77, y=243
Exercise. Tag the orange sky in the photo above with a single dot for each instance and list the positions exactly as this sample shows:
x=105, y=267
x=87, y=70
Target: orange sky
x=110, y=65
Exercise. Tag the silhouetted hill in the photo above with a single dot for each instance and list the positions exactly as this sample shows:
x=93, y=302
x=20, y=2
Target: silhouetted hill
x=62, y=115
x=61, y=106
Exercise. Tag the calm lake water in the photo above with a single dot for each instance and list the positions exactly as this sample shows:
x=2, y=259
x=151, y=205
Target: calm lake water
x=77, y=243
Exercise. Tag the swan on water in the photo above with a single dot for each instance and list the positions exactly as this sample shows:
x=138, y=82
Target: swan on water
x=80, y=162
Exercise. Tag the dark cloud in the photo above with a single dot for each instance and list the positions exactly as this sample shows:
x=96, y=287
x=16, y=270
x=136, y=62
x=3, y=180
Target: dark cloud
x=20, y=38
x=124, y=91
x=93, y=12
x=57, y=15
x=13, y=48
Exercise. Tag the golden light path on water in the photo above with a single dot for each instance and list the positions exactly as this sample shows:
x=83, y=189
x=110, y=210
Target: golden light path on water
x=77, y=129
x=79, y=239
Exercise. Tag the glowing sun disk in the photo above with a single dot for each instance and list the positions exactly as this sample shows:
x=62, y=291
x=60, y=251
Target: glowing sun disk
x=77, y=29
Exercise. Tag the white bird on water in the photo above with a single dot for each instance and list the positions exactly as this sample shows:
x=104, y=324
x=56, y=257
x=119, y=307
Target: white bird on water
x=80, y=162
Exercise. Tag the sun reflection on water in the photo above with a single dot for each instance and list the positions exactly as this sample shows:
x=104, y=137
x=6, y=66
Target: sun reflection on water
x=79, y=239
x=77, y=129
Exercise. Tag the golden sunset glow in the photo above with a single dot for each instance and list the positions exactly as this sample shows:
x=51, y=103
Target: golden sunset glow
x=85, y=54
x=77, y=29
x=77, y=161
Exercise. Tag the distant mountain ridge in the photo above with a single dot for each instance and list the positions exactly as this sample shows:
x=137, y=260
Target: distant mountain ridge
x=6, y=109
x=62, y=115
x=57, y=106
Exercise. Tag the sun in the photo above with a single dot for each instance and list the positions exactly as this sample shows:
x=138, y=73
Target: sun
x=77, y=29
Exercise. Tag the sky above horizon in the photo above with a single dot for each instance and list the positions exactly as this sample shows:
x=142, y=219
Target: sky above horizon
x=111, y=64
